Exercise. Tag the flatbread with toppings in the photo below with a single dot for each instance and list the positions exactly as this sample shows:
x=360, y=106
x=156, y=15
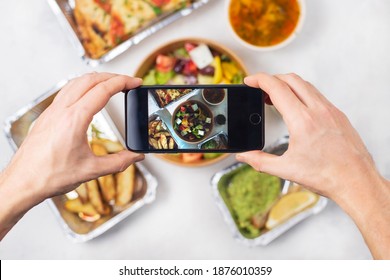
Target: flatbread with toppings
x=104, y=24
x=166, y=96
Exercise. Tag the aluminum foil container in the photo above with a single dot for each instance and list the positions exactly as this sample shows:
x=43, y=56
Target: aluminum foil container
x=63, y=10
x=16, y=129
x=278, y=148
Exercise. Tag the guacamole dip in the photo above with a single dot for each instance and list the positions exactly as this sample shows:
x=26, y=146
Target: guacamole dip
x=251, y=194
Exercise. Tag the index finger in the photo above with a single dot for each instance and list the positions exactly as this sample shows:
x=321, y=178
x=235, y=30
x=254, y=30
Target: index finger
x=77, y=87
x=283, y=98
x=96, y=98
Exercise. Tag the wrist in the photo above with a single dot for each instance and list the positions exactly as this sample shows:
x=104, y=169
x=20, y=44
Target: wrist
x=29, y=180
x=18, y=194
x=362, y=193
x=367, y=204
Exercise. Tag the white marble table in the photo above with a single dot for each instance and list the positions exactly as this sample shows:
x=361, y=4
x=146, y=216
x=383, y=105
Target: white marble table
x=343, y=49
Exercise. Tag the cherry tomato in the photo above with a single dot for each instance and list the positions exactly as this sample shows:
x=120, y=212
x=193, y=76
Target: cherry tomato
x=104, y=4
x=165, y=63
x=160, y=3
x=191, y=157
x=189, y=47
x=117, y=30
x=190, y=68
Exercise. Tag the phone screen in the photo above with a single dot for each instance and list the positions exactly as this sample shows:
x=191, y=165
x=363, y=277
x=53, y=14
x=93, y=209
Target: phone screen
x=194, y=118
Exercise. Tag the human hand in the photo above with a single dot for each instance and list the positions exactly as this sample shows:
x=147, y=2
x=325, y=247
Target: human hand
x=325, y=153
x=55, y=157
x=327, y=156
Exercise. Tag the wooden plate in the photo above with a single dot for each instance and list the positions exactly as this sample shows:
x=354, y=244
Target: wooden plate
x=149, y=62
x=174, y=159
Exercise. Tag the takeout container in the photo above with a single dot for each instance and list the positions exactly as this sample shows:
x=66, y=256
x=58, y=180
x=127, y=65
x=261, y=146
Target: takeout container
x=63, y=10
x=287, y=41
x=149, y=62
x=278, y=148
x=16, y=129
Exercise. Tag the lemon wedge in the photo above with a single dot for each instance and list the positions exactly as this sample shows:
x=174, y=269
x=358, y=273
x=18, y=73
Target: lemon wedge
x=288, y=206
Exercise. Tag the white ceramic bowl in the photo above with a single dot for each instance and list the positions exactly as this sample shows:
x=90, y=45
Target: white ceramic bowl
x=288, y=40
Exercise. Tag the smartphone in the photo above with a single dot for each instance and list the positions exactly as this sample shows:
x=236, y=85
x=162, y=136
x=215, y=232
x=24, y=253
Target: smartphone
x=199, y=118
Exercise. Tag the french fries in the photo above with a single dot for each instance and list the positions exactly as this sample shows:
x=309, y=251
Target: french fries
x=125, y=186
x=95, y=197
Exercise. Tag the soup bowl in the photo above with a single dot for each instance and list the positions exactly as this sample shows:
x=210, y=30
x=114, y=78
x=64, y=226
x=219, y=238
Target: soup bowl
x=287, y=40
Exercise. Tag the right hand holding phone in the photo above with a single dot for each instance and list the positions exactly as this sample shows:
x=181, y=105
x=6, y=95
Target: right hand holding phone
x=325, y=153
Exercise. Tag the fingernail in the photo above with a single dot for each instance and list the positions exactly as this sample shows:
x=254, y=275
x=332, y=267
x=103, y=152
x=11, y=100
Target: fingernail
x=248, y=79
x=139, y=80
x=140, y=157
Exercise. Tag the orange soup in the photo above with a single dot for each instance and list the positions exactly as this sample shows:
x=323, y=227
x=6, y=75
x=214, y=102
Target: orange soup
x=264, y=22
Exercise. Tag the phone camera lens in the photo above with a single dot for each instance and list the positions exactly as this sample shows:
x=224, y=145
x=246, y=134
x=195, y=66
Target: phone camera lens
x=220, y=119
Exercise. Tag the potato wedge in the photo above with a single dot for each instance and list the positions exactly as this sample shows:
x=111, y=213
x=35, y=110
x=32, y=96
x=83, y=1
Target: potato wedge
x=158, y=134
x=76, y=206
x=96, y=199
x=107, y=186
x=82, y=192
x=110, y=146
x=125, y=186
x=159, y=144
x=106, y=183
x=164, y=142
x=171, y=143
x=153, y=143
x=159, y=126
x=152, y=127
x=98, y=149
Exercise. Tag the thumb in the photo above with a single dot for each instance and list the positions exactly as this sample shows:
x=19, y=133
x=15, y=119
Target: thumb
x=262, y=162
x=252, y=81
x=117, y=162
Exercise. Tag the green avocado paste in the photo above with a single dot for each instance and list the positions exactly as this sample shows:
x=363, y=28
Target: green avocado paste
x=251, y=195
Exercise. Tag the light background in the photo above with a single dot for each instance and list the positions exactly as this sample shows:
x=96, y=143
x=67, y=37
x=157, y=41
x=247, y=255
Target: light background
x=343, y=49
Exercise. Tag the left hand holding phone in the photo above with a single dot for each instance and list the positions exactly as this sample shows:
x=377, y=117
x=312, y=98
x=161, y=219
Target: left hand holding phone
x=55, y=157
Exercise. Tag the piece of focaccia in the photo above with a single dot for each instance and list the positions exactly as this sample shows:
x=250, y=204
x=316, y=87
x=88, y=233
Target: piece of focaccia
x=104, y=24
x=93, y=19
x=127, y=16
x=168, y=5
